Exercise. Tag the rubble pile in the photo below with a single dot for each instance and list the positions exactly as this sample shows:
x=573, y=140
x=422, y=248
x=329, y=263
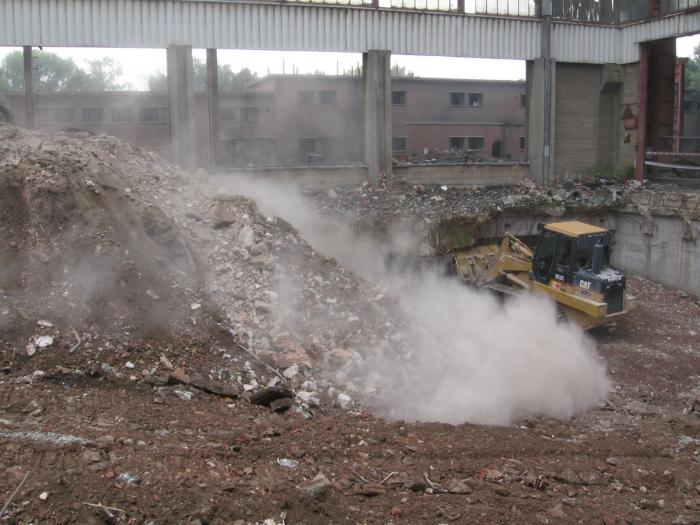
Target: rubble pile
x=111, y=241
x=431, y=203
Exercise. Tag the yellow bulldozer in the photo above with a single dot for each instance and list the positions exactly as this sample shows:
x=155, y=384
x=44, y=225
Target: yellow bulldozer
x=569, y=264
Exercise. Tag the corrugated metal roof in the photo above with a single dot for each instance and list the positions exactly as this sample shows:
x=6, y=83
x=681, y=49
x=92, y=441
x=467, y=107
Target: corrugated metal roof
x=250, y=25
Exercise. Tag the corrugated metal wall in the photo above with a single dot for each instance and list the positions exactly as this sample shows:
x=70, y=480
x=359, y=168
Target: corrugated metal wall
x=228, y=25
x=241, y=25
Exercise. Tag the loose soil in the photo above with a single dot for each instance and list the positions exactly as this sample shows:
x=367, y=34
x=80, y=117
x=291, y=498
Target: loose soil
x=90, y=433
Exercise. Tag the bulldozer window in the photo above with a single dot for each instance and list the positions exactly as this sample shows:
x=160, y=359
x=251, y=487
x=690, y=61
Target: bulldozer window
x=564, y=259
x=546, y=251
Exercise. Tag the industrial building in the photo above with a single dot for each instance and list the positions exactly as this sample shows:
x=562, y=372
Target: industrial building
x=283, y=120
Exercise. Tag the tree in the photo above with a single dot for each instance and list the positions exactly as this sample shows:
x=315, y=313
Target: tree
x=54, y=74
x=103, y=75
x=692, y=71
x=398, y=71
x=229, y=80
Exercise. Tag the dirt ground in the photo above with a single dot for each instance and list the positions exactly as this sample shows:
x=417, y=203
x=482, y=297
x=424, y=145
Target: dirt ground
x=81, y=438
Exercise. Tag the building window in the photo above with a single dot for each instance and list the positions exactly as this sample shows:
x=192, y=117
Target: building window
x=398, y=98
x=399, y=144
x=228, y=114
x=307, y=145
x=62, y=115
x=475, y=99
x=249, y=114
x=458, y=142
x=306, y=97
x=466, y=99
x=153, y=114
x=469, y=143
x=523, y=100
x=326, y=97
x=42, y=115
x=688, y=105
x=92, y=115
x=475, y=143
x=457, y=99
x=122, y=115
x=228, y=146
x=497, y=149
x=523, y=143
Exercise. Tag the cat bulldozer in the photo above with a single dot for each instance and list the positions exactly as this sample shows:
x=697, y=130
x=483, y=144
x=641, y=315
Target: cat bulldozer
x=569, y=264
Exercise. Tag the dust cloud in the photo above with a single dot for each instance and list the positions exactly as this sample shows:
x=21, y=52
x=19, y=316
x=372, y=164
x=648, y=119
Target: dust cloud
x=472, y=357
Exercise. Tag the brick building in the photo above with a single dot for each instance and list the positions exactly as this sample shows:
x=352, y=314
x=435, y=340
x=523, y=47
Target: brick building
x=292, y=120
x=485, y=118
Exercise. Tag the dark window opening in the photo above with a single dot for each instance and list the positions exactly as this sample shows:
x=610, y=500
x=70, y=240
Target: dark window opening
x=523, y=143
x=122, y=115
x=398, y=98
x=249, y=114
x=469, y=143
x=457, y=142
x=326, y=97
x=399, y=144
x=228, y=114
x=457, y=99
x=307, y=145
x=523, y=100
x=497, y=149
x=153, y=114
x=62, y=115
x=475, y=143
x=476, y=99
x=92, y=115
x=307, y=97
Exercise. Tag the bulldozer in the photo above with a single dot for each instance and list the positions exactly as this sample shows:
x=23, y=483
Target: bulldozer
x=569, y=264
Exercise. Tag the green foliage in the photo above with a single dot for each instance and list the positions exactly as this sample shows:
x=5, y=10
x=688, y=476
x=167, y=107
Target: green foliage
x=401, y=72
x=628, y=172
x=396, y=71
x=692, y=71
x=55, y=74
x=354, y=71
x=229, y=80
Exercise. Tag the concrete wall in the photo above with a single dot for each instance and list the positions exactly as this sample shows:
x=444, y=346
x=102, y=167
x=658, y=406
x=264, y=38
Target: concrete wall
x=465, y=174
x=576, y=120
x=657, y=237
x=628, y=143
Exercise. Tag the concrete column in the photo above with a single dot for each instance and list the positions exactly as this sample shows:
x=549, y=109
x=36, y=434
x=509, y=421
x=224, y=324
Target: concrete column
x=541, y=88
x=213, y=102
x=181, y=95
x=642, y=90
x=29, y=120
x=376, y=67
x=541, y=84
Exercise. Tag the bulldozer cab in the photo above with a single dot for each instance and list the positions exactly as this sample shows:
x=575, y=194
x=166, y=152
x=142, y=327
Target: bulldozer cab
x=566, y=250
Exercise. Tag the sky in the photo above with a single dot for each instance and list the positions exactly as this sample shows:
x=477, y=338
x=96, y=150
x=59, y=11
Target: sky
x=137, y=64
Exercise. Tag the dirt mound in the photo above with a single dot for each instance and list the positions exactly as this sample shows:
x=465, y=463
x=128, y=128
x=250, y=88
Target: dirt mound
x=82, y=248
x=110, y=240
